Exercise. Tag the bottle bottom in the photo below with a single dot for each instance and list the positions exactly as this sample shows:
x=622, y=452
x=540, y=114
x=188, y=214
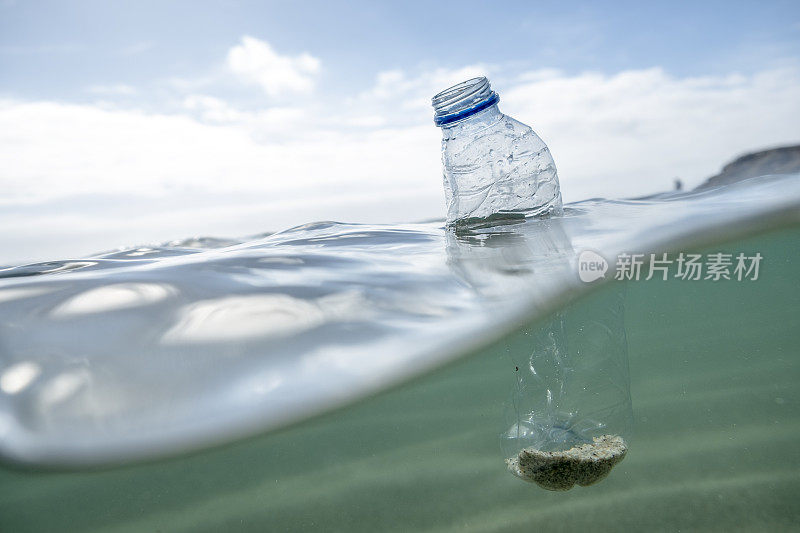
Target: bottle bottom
x=582, y=465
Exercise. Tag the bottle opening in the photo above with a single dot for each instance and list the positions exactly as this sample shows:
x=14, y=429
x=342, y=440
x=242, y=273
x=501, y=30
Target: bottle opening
x=462, y=100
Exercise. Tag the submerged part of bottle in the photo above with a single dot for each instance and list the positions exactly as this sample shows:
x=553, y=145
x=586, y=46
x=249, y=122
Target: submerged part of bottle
x=493, y=164
x=571, y=406
x=569, y=412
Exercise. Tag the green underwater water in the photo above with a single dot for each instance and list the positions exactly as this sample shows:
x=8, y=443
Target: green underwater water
x=715, y=442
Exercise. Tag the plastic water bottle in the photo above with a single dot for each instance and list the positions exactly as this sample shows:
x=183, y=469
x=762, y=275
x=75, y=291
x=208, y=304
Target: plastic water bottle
x=493, y=165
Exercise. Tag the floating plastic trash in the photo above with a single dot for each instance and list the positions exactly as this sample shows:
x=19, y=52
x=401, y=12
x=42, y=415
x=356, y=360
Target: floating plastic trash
x=573, y=396
x=493, y=164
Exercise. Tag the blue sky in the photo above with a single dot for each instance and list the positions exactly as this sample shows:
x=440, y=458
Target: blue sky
x=55, y=49
x=130, y=122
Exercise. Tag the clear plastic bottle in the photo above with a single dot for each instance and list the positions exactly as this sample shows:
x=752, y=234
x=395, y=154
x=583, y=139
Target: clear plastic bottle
x=570, y=412
x=493, y=164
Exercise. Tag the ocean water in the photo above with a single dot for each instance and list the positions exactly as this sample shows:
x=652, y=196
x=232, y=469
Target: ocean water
x=359, y=378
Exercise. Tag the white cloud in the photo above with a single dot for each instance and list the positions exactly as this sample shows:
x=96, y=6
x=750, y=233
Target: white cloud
x=116, y=89
x=264, y=125
x=414, y=93
x=631, y=133
x=256, y=62
x=213, y=109
x=80, y=178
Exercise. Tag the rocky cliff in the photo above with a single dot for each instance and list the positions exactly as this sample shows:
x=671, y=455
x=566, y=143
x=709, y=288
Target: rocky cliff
x=784, y=160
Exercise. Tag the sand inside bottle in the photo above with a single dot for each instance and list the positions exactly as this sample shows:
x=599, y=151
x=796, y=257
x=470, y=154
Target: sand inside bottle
x=584, y=464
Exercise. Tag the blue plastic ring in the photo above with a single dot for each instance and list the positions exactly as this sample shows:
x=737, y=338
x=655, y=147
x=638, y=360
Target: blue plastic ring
x=447, y=119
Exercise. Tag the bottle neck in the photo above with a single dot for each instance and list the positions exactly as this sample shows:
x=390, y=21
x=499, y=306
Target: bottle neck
x=462, y=101
x=473, y=123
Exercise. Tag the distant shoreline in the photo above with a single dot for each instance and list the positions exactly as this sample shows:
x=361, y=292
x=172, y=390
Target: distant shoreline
x=783, y=160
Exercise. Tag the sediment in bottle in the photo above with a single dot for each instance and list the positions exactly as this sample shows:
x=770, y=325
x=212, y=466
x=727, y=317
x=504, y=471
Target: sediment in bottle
x=561, y=470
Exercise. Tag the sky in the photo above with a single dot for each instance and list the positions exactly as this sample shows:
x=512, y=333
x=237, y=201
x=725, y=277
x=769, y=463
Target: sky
x=125, y=123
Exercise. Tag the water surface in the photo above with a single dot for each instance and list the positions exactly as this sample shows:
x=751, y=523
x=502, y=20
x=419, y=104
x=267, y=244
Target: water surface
x=152, y=353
